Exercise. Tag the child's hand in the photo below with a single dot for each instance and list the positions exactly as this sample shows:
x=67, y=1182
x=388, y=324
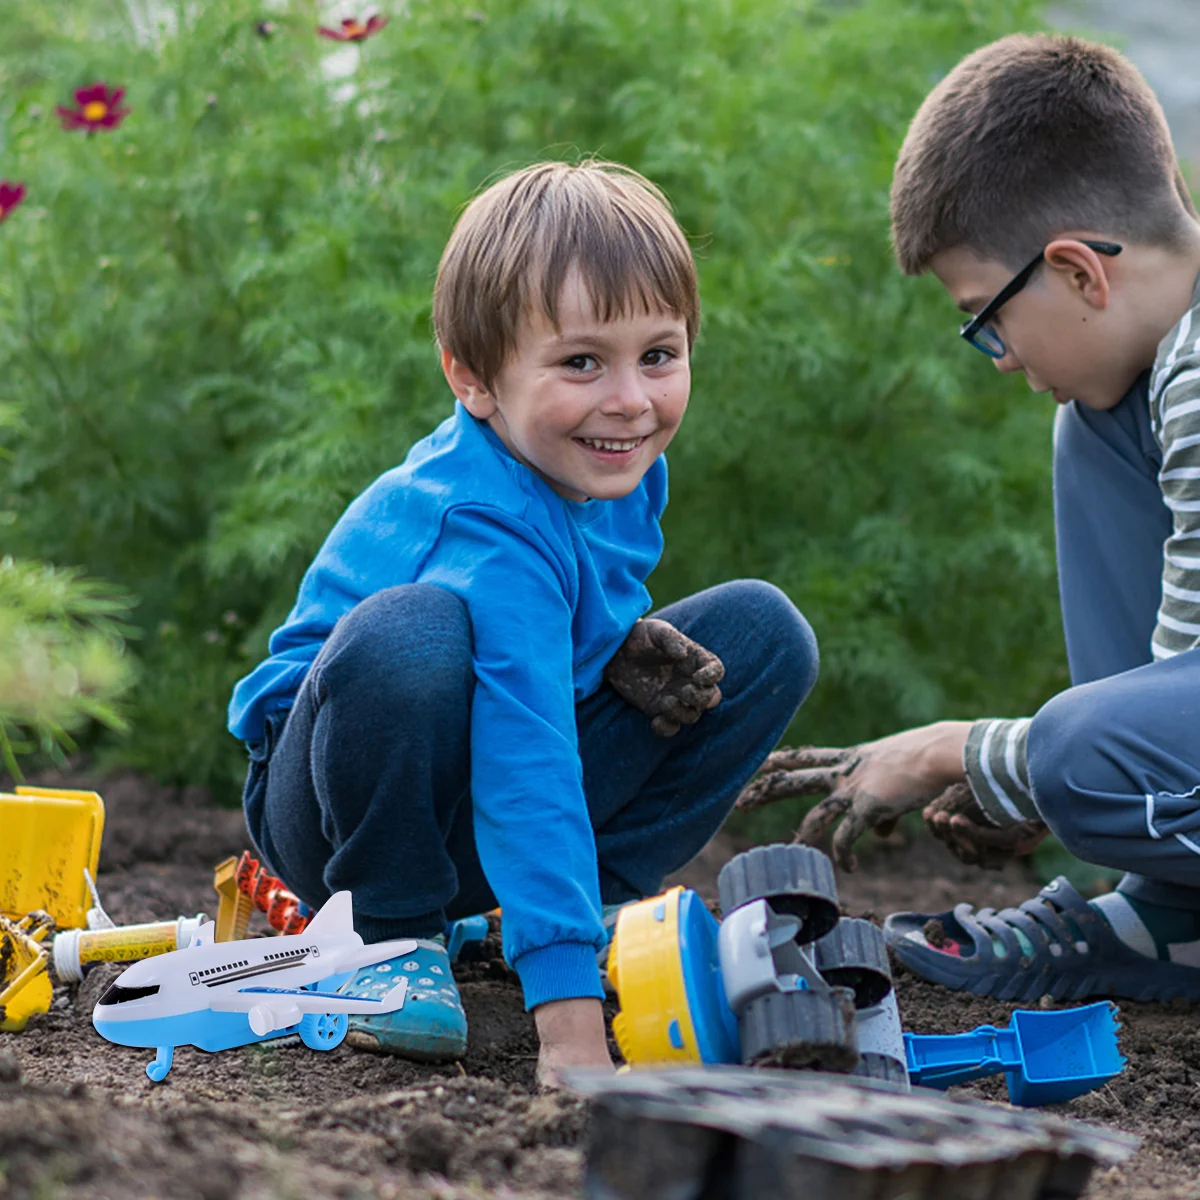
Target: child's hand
x=956, y=819
x=869, y=786
x=665, y=675
x=572, y=1034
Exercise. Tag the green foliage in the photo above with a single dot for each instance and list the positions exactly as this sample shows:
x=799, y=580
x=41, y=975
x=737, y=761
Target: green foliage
x=216, y=321
x=60, y=657
x=62, y=665
x=1052, y=858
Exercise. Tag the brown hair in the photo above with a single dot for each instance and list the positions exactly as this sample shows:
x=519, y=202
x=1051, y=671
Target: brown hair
x=516, y=241
x=1031, y=137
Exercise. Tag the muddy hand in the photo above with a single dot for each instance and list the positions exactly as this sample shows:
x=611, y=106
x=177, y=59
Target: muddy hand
x=665, y=675
x=956, y=819
x=811, y=771
x=865, y=787
x=803, y=771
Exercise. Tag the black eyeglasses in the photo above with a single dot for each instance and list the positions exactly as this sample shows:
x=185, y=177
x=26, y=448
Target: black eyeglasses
x=982, y=335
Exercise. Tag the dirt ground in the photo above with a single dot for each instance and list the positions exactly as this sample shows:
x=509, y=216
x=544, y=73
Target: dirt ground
x=79, y=1118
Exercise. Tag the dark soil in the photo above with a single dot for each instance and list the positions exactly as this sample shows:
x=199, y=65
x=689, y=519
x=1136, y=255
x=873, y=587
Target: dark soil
x=79, y=1118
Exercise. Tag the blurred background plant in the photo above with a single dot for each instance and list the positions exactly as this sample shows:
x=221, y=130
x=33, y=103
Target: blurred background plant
x=62, y=664
x=214, y=318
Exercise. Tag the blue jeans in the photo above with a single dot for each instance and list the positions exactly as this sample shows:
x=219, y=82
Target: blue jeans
x=364, y=782
x=1115, y=761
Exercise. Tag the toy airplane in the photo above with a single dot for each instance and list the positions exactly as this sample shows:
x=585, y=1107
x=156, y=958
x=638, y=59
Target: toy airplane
x=217, y=995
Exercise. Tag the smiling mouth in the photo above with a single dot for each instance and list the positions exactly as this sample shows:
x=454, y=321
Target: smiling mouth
x=611, y=445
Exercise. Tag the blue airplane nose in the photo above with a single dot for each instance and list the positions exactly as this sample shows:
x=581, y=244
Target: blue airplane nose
x=124, y=1033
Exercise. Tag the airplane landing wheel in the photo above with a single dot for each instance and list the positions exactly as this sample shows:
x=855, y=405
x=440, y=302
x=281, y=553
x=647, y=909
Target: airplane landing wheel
x=323, y=1031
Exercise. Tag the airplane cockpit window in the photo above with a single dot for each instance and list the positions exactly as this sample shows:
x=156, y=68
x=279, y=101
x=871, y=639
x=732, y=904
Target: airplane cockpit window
x=117, y=994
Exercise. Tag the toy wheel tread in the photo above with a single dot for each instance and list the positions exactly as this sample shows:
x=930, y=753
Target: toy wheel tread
x=800, y=1029
x=787, y=1134
x=854, y=954
x=792, y=879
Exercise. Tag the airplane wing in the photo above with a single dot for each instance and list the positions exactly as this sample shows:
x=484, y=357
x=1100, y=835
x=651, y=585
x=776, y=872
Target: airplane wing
x=276, y=1008
x=350, y=958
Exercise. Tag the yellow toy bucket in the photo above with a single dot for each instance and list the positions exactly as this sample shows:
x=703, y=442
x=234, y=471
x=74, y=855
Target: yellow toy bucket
x=50, y=836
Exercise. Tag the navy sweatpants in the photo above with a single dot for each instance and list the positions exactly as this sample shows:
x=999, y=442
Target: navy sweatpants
x=1115, y=760
x=365, y=782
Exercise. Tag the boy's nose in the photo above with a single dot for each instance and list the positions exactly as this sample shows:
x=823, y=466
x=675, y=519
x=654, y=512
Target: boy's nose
x=1008, y=364
x=628, y=396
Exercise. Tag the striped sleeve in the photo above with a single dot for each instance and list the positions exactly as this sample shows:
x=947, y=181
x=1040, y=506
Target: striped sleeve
x=998, y=771
x=1175, y=416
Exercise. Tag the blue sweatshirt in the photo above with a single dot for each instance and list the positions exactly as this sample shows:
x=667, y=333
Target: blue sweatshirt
x=552, y=588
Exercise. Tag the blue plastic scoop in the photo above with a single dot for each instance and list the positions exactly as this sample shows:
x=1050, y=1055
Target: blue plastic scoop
x=1047, y=1057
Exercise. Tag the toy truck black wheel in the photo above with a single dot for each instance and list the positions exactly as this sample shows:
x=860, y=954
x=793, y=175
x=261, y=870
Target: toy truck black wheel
x=854, y=955
x=323, y=1031
x=800, y=1029
x=791, y=879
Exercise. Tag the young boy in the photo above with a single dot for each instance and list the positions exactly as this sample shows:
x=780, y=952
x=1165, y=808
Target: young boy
x=440, y=726
x=1039, y=185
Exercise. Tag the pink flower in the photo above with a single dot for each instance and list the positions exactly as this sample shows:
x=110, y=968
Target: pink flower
x=11, y=194
x=354, y=31
x=96, y=107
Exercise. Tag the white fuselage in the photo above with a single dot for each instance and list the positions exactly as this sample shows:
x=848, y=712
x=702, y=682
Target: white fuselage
x=162, y=997
x=188, y=980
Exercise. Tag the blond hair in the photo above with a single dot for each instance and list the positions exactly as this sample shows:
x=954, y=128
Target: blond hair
x=1031, y=137
x=515, y=243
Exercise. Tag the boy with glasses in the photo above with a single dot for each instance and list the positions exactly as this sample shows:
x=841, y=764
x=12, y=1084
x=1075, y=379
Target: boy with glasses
x=1055, y=148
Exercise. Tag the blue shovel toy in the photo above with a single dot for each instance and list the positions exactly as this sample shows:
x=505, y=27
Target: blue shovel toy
x=1047, y=1057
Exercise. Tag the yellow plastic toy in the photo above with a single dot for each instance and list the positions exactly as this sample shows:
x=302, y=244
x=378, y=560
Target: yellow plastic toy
x=234, y=907
x=25, y=987
x=662, y=963
x=50, y=837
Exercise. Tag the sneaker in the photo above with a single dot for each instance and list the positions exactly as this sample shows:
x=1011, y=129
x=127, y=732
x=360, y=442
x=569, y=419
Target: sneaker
x=1055, y=944
x=430, y=1026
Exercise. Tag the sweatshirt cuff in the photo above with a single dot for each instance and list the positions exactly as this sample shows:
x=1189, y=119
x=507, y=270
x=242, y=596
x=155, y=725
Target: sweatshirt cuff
x=998, y=771
x=560, y=971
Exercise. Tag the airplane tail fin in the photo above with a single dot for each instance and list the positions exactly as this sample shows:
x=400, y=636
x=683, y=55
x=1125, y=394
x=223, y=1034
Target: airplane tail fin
x=336, y=916
x=205, y=935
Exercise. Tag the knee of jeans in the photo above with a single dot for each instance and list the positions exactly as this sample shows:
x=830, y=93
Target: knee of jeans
x=1064, y=768
x=790, y=658
x=414, y=639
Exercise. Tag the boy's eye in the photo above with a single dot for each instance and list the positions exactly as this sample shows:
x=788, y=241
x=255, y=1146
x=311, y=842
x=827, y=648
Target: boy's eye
x=579, y=362
x=658, y=357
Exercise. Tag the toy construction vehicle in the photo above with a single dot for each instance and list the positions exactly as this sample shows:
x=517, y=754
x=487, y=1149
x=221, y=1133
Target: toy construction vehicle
x=50, y=844
x=785, y=980
x=243, y=884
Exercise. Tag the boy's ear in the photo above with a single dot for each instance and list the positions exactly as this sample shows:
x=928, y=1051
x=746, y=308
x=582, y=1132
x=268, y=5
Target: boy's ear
x=466, y=385
x=1083, y=269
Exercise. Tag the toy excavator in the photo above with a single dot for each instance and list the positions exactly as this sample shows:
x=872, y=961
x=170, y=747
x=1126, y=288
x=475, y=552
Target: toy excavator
x=49, y=845
x=785, y=980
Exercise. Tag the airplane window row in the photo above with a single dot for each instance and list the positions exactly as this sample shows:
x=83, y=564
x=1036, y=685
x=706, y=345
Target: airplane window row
x=223, y=967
